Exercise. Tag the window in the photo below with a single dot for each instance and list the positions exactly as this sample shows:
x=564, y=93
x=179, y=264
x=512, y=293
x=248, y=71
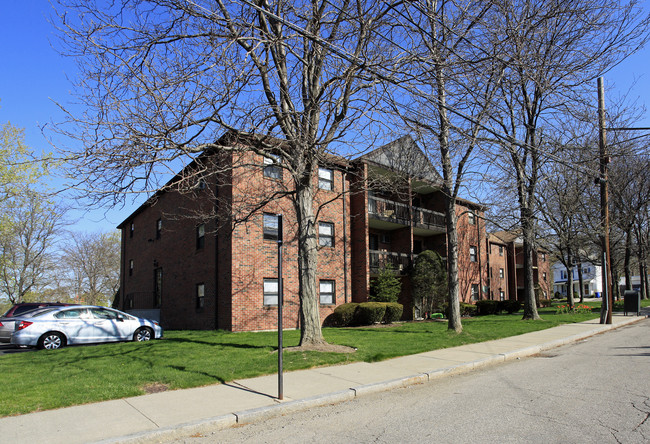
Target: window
x=200, y=295
x=543, y=257
x=325, y=179
x=102, y=313
x=325, y=234
x=200, y=236
x=500, y=250
x=158, y=228
x=271, y=292
x=75, y=313
x=385, y=238
x=501, y=273
x=544, y=276
x=563, y=274
x=471, y=218
x=271, y=224
x=373, y=241
x=327, y=293
x=475, y=292
x=472, y=254
x=272, y=167
x=502, y=295
x=131, y=229
x=131, y=267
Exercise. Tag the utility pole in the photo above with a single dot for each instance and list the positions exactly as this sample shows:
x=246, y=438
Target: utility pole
x=606, y=312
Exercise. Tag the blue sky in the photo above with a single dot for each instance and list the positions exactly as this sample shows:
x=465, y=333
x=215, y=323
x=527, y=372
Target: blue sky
x=33, y=75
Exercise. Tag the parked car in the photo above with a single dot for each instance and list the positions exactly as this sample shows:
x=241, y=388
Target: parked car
x=56, y=327
x=7, y=321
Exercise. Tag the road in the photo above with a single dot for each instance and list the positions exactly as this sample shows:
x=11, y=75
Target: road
x=595, y=391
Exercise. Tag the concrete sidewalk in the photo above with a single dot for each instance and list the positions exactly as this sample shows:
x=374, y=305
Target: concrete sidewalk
x=178, y=413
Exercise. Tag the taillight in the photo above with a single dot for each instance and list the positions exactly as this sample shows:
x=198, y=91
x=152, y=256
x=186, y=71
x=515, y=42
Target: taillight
x=1, y=324
x=23, y=324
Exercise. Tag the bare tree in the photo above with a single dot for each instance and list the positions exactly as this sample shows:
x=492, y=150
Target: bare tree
x=630, y=189
x=562, y=207
x=92, y=263
x=452, y=77
x=30, y=226
x=552, y=52
x=163, y=80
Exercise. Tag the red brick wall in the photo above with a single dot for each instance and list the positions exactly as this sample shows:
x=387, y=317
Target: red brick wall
x=498, y=262
x=255, y=259
x=471, y=272
x=175, y=252
x=359, y=235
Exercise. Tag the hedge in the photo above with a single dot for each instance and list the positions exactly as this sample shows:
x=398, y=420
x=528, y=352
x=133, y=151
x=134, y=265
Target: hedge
x=510, y=306
x=368, y=313
x=343, y=315
x=393, y=312
x=487, y=307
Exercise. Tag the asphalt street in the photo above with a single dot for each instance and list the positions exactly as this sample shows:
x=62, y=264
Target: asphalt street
x=596, y=390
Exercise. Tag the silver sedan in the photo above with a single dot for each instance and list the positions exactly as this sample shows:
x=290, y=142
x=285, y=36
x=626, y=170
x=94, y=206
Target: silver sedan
x=56, y=327
x=7, y=324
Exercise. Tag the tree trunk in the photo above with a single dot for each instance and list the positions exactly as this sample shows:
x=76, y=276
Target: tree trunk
x=645, y=278
x=530, y=304
x=452, y=267
x=641, y=280
x=569, y=281
x=626, y=263
x=616, y=277
x=581, y=282
x=310, y=326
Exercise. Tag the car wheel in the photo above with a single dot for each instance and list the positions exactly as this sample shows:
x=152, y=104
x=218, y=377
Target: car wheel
x=143, y=334
x=51, y=341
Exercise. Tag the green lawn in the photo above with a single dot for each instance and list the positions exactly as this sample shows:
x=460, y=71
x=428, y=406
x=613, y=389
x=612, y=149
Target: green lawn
x=76, y=375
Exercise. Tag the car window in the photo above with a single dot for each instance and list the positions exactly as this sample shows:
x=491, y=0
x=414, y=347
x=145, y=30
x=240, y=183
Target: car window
x=75, y=313
x=24, y=309
x=101, y=313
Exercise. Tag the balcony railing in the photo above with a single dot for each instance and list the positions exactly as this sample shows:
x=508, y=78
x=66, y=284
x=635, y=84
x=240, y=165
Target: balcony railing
x=389, y=210
x=399, y=213
x=428, y=218
x=399, y=262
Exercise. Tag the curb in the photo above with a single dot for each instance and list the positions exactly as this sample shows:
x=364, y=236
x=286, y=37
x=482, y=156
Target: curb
x=282, y=408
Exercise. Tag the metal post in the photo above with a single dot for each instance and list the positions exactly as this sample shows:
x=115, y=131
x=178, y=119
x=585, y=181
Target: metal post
x=280, y=304
x=604, y=204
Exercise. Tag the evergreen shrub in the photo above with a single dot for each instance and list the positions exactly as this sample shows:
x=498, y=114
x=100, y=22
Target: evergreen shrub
x=487, y=307
x=368, y=313
x=467, y=309
x=343, y=315
x=510, y=306
x=393, y=312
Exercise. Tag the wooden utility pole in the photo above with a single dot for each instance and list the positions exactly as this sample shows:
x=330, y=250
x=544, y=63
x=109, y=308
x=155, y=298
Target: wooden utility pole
x=606, y=314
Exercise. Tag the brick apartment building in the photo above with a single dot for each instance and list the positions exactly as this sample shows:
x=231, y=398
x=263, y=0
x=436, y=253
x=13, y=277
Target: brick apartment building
x=506, y=268
x=220, y=272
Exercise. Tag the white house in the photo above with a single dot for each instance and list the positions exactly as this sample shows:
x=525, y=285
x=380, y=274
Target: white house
x=591, y=275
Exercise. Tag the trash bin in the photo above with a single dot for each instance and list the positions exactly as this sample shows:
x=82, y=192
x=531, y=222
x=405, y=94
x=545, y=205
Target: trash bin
x=598, y=294
x=631, y=302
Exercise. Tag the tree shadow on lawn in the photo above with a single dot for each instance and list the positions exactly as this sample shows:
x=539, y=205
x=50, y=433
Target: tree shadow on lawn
x=217, y=344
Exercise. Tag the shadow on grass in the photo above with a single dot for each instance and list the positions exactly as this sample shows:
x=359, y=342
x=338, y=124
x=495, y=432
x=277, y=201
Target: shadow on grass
x=217, y=344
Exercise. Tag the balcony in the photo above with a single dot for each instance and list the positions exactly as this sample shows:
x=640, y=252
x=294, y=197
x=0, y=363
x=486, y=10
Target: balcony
x=400, y=262
x=393, y=213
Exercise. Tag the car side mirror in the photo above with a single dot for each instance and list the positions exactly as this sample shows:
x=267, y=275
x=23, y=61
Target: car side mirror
x=120, y=319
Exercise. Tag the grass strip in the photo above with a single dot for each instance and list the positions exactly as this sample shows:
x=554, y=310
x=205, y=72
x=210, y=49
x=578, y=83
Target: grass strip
x=43, y=380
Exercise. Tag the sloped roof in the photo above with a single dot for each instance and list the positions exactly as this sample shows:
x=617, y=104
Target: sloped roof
x=405, y=156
